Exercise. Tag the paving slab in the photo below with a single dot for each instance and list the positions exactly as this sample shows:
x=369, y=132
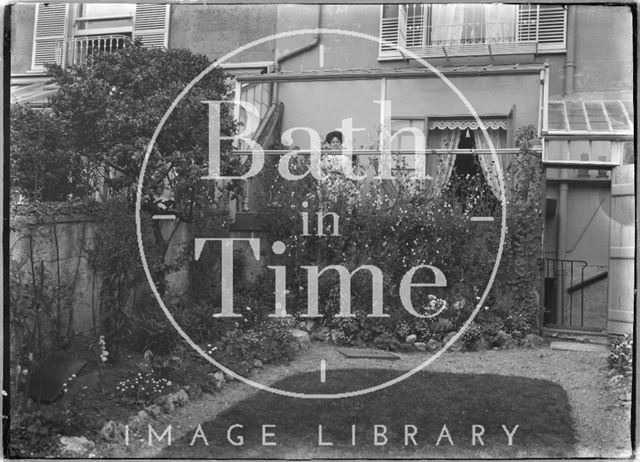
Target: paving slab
x=576, y=346
x=365, y=353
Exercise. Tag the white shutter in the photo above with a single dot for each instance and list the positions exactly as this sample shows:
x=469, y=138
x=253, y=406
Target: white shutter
x=552, y=25
x=388, y=33
x=151, y=25
x=544, y=24
x=527, y=23
x=50, y=29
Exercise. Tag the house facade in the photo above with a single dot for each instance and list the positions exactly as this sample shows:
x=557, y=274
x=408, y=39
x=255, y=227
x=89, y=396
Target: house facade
x=556, y=67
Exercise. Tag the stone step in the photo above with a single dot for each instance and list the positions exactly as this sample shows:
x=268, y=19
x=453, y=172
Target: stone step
x=578, y=346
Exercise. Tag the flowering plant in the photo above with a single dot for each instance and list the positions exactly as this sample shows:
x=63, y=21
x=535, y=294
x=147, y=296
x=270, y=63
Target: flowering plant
x=621, y=355
x=143, y=388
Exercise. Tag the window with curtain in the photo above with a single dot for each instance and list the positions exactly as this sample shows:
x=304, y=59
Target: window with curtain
x=68, y=34
x=452, y=24
x=430, y=28
x=104, y=18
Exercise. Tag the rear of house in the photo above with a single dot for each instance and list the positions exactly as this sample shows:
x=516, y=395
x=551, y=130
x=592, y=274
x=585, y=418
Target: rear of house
x=555, y=67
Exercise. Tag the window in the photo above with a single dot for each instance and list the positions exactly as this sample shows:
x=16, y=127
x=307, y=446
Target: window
x=432, y=30
x=104, y=18
x=68, y=34
x=450, y=137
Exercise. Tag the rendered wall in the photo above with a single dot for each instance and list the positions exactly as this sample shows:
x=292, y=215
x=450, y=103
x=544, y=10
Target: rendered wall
x=431, y=97
x=67, y=242
x=322, y=105
x=604, y=51
x=22, y=24
x=214, y=30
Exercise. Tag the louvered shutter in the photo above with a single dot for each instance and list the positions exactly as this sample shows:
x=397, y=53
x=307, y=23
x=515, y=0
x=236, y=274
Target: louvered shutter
x=151, y=24
x=50, y=30
x=544, y=24
x=388, y=33
x=552, y=25
x=527, y=23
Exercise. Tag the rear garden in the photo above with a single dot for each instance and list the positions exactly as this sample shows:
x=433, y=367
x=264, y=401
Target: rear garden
x=94, y=360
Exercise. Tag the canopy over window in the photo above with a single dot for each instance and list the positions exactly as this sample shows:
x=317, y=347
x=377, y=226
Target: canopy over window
x=463, y=124
x=599, y=116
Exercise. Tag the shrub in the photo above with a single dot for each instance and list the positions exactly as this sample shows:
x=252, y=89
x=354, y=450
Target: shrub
x=269, y=342
x=620, y=356
x=472, y=334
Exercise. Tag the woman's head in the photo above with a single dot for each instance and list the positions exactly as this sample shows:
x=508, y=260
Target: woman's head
x=334, y=139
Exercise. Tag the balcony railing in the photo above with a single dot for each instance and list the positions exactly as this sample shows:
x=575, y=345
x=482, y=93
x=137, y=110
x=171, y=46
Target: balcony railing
x=80, y=50
x=426, y=40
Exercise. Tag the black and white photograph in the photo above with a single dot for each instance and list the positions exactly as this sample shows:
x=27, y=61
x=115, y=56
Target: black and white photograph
x=304, y=231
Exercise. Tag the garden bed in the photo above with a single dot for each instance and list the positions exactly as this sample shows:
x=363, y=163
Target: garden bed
x=108, y=391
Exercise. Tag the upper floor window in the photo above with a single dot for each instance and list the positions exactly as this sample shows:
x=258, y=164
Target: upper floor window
x=432, y=30
x=70, y=33
x=104, y=18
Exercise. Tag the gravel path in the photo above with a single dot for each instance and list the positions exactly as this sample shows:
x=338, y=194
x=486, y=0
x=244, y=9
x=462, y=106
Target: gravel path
x=602, y=425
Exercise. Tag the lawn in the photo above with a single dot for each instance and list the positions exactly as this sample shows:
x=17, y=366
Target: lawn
x=409, y=419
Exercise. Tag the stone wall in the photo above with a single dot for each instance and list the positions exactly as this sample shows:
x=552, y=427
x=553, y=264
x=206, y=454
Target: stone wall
x=58, y=250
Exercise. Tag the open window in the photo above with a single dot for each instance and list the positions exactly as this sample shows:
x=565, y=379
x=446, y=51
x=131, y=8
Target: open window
x=466, y=29
x=69, y=34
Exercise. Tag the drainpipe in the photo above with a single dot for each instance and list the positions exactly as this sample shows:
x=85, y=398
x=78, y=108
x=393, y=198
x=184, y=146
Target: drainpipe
x=298, y=51
x=561, y=249
x=571, y=50
x=563, y=186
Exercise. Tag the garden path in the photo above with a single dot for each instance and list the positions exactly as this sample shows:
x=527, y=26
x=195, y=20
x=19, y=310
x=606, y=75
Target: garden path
x=602, y=426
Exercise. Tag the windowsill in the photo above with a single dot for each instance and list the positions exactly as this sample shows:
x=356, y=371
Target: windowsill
x=36, y=72
x=471, y=50
x=109, y=31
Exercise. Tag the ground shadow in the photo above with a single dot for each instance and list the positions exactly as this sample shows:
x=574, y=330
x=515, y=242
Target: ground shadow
x=430, y=415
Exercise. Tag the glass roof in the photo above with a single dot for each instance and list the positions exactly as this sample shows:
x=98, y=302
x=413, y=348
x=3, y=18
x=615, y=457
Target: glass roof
x=602, y=116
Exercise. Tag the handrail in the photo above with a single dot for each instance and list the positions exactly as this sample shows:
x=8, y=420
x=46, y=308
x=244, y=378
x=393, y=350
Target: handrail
x=398, y=152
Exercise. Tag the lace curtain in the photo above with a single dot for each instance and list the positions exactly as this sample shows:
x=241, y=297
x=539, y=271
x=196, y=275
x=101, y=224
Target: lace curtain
x=440, y=167
x=453, y=24
x=487, y=162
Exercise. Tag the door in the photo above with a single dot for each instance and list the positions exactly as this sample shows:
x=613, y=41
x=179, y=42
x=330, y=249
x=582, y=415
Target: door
x=621, y=251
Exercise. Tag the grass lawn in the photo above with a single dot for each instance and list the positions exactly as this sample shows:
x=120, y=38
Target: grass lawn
x=414, y=411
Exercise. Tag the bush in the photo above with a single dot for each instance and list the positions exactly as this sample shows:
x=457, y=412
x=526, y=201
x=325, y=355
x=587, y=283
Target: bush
x=621, y=355
x=238, y=349
x=472, y=334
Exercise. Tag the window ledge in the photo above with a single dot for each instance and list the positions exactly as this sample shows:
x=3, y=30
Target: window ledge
x=479, y=49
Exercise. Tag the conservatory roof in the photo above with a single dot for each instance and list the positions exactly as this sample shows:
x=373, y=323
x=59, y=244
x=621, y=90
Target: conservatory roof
x=590, y=117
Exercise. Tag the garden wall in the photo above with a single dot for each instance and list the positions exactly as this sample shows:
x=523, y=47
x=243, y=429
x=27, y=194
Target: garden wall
x=57, y=249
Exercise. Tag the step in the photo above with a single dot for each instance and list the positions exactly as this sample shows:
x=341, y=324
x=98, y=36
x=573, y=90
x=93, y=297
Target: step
x=577, y=346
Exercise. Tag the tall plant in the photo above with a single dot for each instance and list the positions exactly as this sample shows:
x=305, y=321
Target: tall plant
x=109, y=110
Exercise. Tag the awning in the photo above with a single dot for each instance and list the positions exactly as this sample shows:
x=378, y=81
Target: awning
x=463, y=124
x=34, y=94
x=596, y=117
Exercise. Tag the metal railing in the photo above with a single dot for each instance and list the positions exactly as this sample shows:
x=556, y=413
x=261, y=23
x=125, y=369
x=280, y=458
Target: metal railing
x=79, y=50
x=460, y=34
x=418, y=34
x=564, y=298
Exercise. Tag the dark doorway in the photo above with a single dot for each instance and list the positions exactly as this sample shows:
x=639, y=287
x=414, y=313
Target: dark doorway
x=466, y=164
x=469, y=182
